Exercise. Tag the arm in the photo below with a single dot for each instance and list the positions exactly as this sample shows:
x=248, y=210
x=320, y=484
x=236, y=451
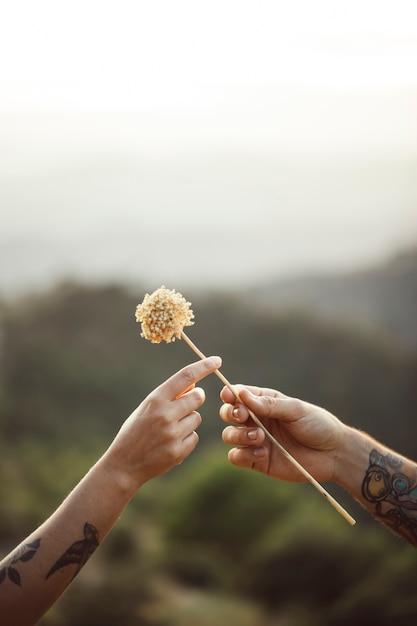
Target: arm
x=384, y=482
x=159, y=434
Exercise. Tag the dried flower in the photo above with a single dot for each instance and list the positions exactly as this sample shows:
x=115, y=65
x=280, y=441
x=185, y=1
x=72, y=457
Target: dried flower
x=163, y=314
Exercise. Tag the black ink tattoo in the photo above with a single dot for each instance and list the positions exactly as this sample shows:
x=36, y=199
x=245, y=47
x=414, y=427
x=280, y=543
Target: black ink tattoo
x=24, y=553
x=79, y=552
x=393, y=493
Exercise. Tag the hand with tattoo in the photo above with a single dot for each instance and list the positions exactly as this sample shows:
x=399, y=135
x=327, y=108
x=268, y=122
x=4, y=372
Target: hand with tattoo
x=310, y=434
x=384, y=482
x=159, y=434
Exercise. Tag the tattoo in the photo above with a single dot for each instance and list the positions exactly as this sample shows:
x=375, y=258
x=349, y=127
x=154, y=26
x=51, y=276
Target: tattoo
x=79, y=552
x=393, y=493
x=23, y=553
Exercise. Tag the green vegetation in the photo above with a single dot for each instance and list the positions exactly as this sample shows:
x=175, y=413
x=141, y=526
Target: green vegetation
x=207, y=544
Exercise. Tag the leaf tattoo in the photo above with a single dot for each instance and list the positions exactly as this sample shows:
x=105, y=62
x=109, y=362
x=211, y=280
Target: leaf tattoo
x=24, y=553
x=14, y=576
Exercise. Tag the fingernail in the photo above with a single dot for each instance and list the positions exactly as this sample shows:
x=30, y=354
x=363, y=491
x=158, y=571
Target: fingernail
x=216, y=360
x=252, y=434
x=235, y=414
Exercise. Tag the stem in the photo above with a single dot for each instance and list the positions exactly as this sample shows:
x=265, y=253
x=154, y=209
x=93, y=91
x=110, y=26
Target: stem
x=276, y=443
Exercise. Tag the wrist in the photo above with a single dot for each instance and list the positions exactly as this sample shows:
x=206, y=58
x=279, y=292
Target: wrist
x=121, y=483
x=353, y=459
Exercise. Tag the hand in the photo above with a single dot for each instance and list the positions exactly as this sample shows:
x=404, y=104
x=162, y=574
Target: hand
x=312, y=435
x=161, y=432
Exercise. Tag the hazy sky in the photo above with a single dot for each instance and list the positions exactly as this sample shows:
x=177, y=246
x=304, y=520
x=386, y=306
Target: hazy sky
x=173, y=52
x=266, y=136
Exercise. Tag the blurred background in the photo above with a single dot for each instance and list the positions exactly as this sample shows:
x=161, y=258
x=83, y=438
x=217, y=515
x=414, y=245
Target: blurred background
x=259, y=157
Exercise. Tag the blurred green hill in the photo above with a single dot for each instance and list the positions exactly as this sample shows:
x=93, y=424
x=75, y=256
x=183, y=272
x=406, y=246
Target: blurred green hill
x=73, y=364
x=211, y=544
x=384, y=296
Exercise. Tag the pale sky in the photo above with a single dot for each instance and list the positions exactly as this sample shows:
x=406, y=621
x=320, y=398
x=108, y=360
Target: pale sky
x=206, y=73
x=133, y=53
x=117, y=117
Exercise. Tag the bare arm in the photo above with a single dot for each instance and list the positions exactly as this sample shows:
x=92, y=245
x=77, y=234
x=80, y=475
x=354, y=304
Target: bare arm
x=159, y=434
x=384, y=482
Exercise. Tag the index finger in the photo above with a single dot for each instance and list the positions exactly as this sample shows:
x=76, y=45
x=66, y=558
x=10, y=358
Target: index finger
x=228, y=396
x=183, y=380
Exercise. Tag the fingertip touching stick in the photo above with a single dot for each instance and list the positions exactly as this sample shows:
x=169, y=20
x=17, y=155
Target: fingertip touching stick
x=163, y=315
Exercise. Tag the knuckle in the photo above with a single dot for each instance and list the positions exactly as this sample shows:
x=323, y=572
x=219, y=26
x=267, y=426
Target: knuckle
x=188, y=374
x=154, y=406
x=298, y=406
x=172, y=451
x=269, y=405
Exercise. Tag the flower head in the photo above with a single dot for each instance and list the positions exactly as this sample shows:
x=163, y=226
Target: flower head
x=163, y=315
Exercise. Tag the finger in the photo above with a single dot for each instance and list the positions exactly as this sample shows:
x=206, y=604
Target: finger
x=232, y=397
x=178, y=384
x=188, y=445
x=229, y=397
x=235, y=414
x=253, y=458
x=278, y=407
x=188, y=402
x=185, y=391
x=188, y=423
x=243, y=436
x=188, y=435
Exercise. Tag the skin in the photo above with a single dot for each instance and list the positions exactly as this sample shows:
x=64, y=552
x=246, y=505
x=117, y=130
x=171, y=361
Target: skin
x=159, y=434
x=384, y=482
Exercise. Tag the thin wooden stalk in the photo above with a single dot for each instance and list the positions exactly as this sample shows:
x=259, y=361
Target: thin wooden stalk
x=276, y=443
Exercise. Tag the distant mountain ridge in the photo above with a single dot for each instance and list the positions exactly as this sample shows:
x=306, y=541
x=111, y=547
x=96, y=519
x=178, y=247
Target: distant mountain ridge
x=385, y=296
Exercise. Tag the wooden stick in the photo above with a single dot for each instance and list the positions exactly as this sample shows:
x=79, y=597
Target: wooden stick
x=276, y=443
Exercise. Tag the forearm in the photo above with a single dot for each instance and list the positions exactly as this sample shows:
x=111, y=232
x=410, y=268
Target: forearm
x=34, y=575
x=384, y=482
x=159, y=434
